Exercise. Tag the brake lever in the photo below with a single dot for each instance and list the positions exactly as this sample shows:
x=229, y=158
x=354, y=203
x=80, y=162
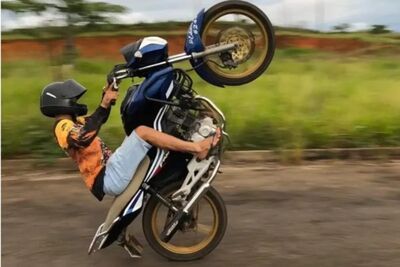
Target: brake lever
x=115, y=84
x=114, y=88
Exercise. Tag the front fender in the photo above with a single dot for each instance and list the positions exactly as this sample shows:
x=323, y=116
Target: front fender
x=194, y=43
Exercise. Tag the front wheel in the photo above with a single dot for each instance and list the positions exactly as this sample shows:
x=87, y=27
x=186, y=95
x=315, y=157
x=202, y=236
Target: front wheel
x=197, y=236
x=249, y=28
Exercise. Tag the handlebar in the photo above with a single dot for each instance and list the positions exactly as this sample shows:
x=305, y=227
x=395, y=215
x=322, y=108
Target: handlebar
x=122, y=73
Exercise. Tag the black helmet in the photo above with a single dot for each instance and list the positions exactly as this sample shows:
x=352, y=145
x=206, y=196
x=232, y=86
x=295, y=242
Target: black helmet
x=60, y=98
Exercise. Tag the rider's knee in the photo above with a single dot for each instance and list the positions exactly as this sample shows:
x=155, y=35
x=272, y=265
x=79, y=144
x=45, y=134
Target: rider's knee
x=142, y=131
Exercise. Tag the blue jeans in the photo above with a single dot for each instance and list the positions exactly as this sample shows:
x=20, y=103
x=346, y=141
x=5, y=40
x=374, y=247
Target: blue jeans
x=122, y=164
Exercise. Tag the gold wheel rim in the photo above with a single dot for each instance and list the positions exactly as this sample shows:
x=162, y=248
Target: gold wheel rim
x=264, y=51
x=189, y=249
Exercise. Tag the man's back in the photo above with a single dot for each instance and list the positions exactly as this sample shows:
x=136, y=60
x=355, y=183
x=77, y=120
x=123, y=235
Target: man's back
x=80, y=141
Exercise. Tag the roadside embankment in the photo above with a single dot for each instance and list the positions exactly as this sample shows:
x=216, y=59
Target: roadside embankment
x=9, y=166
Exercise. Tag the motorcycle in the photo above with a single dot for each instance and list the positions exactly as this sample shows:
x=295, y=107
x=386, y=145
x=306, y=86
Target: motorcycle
x=184, y=217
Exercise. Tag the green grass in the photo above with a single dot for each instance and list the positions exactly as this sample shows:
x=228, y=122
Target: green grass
x=392, y=38
x=305, y=100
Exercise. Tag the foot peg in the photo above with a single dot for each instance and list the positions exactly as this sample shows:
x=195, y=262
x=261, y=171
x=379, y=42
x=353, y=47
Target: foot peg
x=131, y=245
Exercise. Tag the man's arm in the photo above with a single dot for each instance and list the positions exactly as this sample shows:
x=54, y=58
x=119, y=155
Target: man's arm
x=82, y=136
x=166, y=141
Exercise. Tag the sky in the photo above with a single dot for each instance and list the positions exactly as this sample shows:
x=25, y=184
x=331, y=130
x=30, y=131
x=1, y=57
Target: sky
x=312, y=14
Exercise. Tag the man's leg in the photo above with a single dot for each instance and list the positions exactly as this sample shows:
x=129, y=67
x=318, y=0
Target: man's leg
x=122, y=164
x=120, y=169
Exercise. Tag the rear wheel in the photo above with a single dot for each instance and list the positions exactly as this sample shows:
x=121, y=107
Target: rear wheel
x=249, y=28
x=197, y=236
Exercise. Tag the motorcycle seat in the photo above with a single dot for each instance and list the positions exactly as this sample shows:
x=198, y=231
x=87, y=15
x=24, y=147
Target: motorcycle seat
x=120, y=202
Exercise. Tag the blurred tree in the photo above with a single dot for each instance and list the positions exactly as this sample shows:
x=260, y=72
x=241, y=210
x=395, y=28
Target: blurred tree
x=377, y=29
x=343, y=27
x=74, y=13
x=17, y=7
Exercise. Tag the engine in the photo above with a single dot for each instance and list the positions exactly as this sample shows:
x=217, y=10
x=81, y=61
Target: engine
x=203, y=129
x=189, y=124
x=191, y=117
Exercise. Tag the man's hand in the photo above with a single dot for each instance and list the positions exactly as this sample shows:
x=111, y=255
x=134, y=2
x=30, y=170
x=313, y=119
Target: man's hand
x=109, y=96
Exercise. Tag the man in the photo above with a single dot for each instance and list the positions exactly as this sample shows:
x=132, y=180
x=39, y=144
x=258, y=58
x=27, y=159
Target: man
x=105, y=172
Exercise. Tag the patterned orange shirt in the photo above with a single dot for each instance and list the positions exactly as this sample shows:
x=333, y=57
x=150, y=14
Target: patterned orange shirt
x=80, y=141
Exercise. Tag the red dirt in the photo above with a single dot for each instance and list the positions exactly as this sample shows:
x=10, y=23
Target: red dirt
x=88, y=47
x=108, y=47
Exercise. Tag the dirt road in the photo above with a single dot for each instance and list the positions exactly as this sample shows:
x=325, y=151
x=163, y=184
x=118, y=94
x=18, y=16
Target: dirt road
x=318, y=214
